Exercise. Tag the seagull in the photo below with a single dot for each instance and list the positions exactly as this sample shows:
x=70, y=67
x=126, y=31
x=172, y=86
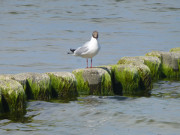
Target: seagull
x=89, y=49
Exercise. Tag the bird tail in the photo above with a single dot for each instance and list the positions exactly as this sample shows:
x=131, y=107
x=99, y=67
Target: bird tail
x=71, y=51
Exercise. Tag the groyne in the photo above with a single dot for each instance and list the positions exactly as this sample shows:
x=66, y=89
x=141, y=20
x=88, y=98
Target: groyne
x=131, y=76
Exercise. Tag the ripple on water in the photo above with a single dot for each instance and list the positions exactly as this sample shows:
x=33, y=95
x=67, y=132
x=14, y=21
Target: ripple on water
x=166, y=89
x=99, y=114
x=35, y=36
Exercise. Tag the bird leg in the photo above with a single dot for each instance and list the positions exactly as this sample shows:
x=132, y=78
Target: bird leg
x=87, y=63
x=91, y=62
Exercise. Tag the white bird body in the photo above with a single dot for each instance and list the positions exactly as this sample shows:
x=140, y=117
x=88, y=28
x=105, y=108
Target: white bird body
x=89, y=49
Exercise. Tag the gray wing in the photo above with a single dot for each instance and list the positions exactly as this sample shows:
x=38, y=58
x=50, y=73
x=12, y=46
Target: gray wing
x=81, y=50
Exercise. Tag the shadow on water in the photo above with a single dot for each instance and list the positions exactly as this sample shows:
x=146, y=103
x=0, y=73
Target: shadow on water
x=20, y=116
x=98, y=100
x=16, y=117
x=119, y=98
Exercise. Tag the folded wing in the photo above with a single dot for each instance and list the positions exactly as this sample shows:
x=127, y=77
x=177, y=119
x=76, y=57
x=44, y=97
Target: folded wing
x=81, y=51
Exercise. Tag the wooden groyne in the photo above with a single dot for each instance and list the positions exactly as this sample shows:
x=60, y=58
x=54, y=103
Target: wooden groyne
x=131, y=76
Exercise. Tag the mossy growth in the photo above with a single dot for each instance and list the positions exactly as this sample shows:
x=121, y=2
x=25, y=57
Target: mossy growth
x=106, y=85
x=126, y=79
x=177, y=49
x=40, y=89
x=141, y=62
x=170, y=64
x=132, y=79
x=145, y=78
x=36, y=85
x=102, y=85
x=95, y=81
x=130, y=60
x=169, y=72
x=63, y=88
x=1, y=107
x=153, y=63
x=154, y=68
x=82, y=86
x=154, y=54
x=12, y=96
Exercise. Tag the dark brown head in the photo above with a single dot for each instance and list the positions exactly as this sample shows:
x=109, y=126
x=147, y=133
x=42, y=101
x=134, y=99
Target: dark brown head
x=95, y=34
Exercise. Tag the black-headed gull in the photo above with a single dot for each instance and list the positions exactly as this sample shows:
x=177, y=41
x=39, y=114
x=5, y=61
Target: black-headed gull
x=89, y=49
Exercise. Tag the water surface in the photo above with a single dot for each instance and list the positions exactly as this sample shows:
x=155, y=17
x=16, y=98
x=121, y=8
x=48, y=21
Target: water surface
x=36, y=35
x=93, y=115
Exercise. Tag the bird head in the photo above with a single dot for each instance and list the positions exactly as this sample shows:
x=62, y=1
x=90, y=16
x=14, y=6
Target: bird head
x=95, y=34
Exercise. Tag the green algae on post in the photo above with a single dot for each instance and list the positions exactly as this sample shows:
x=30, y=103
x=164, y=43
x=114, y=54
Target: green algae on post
x=153, y=63
x=126, y=79
x=132, y=79
x=154, y=54
x=132, y=76
x=93, y=81
x=63, y=85
x=22, y=79
x=177, y=50
x=145, y=78
x=39, y=87
x=106, y=85
x=12, y=96
x=169, y=72
x=36, y=85
x=1, y=105
x=82, y=86
x=130, y=60
x=170, y=63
